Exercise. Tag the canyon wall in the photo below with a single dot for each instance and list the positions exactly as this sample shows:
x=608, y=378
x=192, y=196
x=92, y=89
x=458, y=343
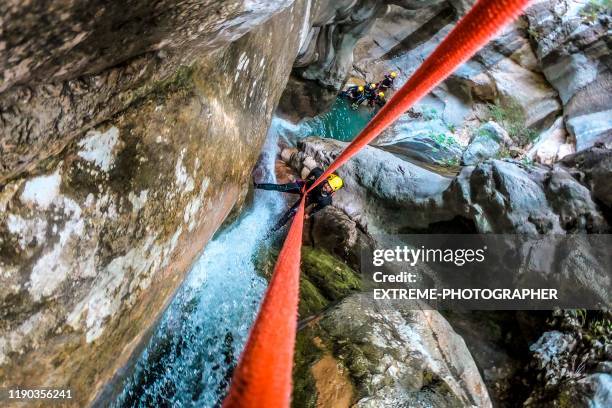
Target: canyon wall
x=127, y=136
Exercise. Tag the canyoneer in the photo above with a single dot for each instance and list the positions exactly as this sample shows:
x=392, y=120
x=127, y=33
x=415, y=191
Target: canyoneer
x=387, y=82
x=378, y=99
x=354, y=93
x=370, y=92
x=319, y=198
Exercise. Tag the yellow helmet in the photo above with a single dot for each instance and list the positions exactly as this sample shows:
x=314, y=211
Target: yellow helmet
x=393, y=74
x=360, y=88
x=372, y=86
x=335, y=182
x=381, y=94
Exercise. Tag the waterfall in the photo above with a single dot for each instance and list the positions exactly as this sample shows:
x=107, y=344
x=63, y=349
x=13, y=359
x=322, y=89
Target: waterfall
x=190, y=358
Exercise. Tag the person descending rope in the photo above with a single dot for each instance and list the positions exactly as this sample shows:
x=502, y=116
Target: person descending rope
x=319, y=198
x=387, y=82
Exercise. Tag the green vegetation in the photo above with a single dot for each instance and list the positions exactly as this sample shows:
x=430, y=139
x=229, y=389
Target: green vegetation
x=484, y=132
x=311, y=300
x=325, y=279
x=533, y=33
x=512, y=118
x=442, y=139
x=526, y=161
x=594, y=8
x=305, y=355
x=596, y=325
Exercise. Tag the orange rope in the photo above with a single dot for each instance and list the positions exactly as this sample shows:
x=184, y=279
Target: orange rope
x=263, y=375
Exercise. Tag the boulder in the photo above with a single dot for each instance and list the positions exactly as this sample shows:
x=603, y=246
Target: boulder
x=573, y=203
x=593, y=167
x=427, y=139
x=573, y=361
x=381, y=191
x=333, y=230
x=324, y=280
x=384, y=192
x=508, y=197
x=551, y=145
x=393, y=356
x=486, y=142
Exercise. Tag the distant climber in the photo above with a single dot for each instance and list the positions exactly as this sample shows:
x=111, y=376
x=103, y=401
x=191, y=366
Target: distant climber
x=387, y=82
x=370, y=91
x=355, y=95
x=378, y=99
x=316, y=200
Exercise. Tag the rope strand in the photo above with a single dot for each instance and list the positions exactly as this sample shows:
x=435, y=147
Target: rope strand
x=263, y=375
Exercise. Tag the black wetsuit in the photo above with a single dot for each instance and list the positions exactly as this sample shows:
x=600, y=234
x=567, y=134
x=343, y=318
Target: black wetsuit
x=386, y=83
x=377, y=100
x=369, y=94
x=317, y=199
x=353, y=93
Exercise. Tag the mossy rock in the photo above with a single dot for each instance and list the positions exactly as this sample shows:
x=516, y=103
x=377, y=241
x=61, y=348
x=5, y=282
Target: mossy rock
x=306, y=354
x=334, y=279
x=356, y=361
x=311, y=300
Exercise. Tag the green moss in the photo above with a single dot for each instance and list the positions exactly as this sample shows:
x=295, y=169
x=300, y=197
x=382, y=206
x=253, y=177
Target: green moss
x=311, y=300
x=355, y=360
x=306, y=354
x=333, y=279
x=324, y=279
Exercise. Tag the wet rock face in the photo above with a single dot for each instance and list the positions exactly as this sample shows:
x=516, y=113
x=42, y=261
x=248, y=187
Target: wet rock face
x=503, y=83
x=326, y=57
x=574, y=51
x=63, y=40
x=115, y=176
x=68, y=67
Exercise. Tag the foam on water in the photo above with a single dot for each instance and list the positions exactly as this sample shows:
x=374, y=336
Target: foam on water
x=190, y=358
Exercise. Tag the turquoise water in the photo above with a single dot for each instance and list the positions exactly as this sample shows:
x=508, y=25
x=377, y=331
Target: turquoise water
x=341, y=122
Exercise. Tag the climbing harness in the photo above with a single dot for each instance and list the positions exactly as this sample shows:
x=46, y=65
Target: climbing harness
x=263, y=375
